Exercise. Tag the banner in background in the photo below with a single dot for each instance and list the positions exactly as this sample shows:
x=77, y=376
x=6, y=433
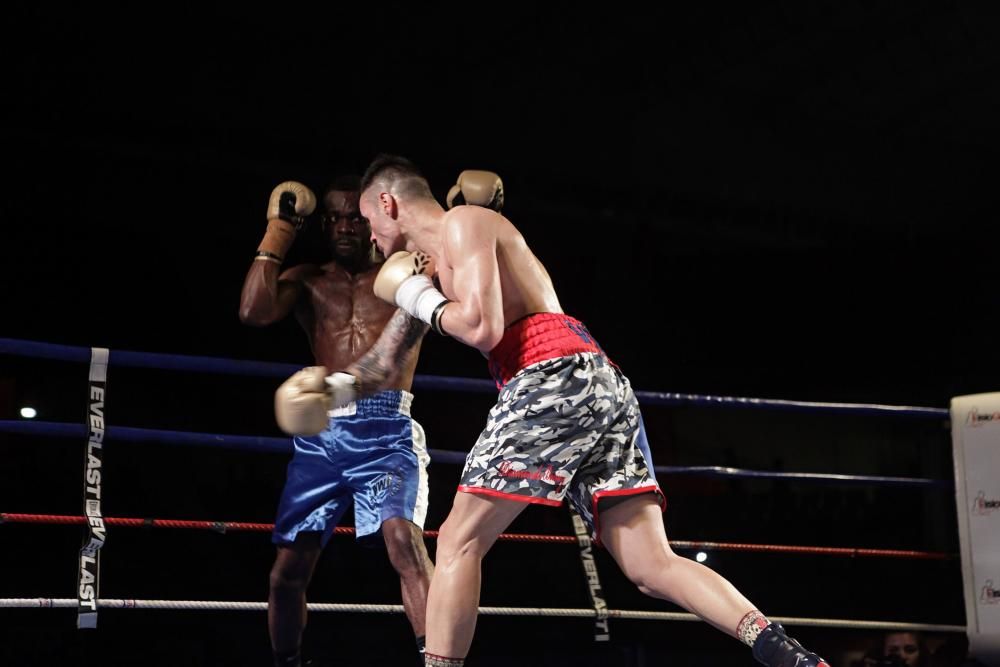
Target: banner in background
x=975, y=430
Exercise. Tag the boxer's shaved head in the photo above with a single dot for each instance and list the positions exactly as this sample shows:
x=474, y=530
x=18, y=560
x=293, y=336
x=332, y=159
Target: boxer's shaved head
x=397, y=176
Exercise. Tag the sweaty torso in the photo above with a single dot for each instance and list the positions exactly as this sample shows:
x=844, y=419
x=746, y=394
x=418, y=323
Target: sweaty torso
x=525, y=284
x=343, y=318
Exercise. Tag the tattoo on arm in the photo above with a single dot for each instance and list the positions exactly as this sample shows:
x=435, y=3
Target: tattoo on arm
x=379, y=364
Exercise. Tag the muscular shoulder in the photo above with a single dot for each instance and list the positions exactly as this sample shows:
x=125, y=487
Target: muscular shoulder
x=300, y=273
x=473, y=226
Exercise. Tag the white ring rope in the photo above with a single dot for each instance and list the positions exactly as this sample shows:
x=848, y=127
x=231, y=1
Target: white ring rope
x=222, y=605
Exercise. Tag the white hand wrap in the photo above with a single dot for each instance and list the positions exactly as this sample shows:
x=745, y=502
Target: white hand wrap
x=342, y=388
x=405, y=281
x=418, y=296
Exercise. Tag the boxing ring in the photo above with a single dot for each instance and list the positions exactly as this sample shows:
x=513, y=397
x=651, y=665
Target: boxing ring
x=95, y=433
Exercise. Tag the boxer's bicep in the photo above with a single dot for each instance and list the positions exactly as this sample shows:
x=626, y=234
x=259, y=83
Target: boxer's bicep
x=267, y=296
x=476, y=315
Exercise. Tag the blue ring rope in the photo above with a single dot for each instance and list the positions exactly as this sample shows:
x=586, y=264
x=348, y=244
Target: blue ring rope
x=179, y=362
x=284, y=446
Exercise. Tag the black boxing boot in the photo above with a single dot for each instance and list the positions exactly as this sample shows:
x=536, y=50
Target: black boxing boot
x=776, y=649
x=421, y=649
x=288, y=659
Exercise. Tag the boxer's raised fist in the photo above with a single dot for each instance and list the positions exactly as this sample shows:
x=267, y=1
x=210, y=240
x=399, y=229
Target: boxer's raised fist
x=477, y=188
x=291, y=201
x=287, y=209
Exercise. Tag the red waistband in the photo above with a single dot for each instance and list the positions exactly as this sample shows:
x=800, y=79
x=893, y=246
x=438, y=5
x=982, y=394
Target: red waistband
x=535, y=338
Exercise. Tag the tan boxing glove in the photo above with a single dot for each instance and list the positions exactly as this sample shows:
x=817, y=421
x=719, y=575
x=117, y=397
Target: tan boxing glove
x=405, y=281
x=477, y=188
x=303, y=401
x=290, y=203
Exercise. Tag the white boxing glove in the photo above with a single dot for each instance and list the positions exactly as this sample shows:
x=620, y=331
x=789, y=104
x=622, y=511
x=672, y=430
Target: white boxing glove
x=404, y=280
x=302, y=402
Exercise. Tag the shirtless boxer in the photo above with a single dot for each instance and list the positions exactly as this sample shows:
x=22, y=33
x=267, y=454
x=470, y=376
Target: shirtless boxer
x=566, y=424
x=370, y=452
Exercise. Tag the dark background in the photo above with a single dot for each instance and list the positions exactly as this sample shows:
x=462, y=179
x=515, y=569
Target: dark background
x=783, y=199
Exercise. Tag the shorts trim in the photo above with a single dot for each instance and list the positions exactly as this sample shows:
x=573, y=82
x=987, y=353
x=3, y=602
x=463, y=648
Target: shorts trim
x=532, y=500
x=634, y=491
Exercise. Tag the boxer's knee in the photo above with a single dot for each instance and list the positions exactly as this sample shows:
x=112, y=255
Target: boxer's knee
x=293, y=568
x=454, y=545
x=404, y=542
x=653, y=572
x=285, y=579
x=472, y=527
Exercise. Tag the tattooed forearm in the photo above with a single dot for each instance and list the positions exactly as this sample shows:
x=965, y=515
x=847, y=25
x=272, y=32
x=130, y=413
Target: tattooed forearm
x=385, y=358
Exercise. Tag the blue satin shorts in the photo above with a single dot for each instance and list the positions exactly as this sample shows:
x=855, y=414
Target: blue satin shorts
x=372, y=453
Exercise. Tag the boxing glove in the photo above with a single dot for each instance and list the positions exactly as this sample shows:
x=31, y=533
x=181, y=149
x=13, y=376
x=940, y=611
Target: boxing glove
x=477, y=188
x=405, y=281
x=287, y=209
x=302, y=402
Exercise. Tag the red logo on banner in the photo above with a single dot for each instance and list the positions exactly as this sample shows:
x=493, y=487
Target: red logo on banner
x=982, y=505
x=990, y=595
x=976, y=419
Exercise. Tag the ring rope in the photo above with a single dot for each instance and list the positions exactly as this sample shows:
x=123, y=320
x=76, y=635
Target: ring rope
x=225, y=526
x=284, y=446
x=220, y=605
x=242, y=367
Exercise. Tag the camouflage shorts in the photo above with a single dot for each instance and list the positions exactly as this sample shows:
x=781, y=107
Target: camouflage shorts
x=568, y=426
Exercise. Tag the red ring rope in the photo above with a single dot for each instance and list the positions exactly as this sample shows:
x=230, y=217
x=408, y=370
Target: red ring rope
x=223, y=526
